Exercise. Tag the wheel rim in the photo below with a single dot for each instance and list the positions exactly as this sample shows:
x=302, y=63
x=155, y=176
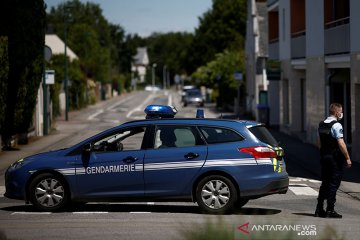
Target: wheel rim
x=49, y=192
x=215, y=194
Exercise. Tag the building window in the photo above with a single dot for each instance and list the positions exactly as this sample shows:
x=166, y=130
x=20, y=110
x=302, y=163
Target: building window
x=336, y=12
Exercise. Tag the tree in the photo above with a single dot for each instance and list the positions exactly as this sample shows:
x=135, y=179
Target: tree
x=222, y=27
x=88, y=35
x=4, y=72
x=170, y=49
x=25, y=50
x=219, y=74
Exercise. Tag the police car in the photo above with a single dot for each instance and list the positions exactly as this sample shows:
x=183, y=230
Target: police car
x=218, y=163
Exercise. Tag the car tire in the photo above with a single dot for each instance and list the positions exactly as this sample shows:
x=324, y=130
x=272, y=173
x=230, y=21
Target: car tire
x=185, y=104
x=48, y=192
x=216, y=194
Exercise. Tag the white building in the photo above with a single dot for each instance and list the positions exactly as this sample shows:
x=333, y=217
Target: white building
x=57, y=46
x=317, y=44
x=141, y=61
x=256, y=55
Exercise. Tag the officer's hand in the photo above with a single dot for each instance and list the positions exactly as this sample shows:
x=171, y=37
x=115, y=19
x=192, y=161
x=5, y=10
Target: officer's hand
x=348, y=163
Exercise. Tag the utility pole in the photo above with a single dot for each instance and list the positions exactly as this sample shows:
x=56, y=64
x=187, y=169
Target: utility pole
x=153, y=76
x=66, y=68
x=164, y=77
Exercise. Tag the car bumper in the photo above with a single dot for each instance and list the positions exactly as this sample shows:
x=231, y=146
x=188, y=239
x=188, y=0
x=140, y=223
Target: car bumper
x=14, y=186
x=276, y=186
x=194, y=101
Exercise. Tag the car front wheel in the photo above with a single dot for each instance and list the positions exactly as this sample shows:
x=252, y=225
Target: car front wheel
x=48, y=192
x=216, y=195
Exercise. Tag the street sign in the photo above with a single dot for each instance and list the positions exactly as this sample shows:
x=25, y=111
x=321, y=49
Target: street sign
x=49, y=77
x=177, y=79
x=238, y=76
x=47, y=53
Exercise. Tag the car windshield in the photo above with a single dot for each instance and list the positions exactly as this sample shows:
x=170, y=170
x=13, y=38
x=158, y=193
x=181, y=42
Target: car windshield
x=263, y=135
x=193, y=93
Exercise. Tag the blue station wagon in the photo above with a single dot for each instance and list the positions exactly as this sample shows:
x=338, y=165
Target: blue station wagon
x=218, y=163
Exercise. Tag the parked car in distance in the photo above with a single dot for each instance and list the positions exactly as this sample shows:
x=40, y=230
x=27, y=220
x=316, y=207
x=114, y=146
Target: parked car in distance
x=185, y=89
x=151, y=88
x=193, y=96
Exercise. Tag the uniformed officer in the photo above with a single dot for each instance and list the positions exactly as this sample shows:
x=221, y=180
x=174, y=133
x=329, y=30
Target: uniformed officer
x=333, y=157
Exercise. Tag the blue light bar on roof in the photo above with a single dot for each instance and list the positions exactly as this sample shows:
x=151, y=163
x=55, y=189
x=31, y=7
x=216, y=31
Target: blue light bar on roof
x=160, y=111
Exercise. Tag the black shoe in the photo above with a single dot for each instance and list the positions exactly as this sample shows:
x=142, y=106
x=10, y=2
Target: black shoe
x=319, y=212
x=332, y=214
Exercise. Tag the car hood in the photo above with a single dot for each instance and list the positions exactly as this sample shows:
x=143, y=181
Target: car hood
x=47, y=154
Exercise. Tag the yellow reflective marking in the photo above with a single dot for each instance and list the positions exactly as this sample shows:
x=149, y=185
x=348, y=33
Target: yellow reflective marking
x=275, y=164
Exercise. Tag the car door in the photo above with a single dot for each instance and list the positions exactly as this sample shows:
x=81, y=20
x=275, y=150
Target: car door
x=172, y=164
x=114, y=166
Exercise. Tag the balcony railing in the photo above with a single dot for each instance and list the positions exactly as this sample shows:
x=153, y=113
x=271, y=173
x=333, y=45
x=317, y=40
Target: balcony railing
x=338, y=22
x=337, y=39
x=298, y=45
x=274, y=49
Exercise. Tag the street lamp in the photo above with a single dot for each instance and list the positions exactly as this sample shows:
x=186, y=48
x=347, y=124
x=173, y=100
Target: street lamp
x=153, y=76
x=66, y=66
x=164, y=77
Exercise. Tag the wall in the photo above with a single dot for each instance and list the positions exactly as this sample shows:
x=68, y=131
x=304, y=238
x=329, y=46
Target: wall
x=354, y=26
x=355, y=105
x=284, y=30
x=314, y=28
x=315, y=96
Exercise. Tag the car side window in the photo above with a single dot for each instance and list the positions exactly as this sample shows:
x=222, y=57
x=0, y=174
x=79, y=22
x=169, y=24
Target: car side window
x=123, y=140
x=175, y=136
x=220, y=135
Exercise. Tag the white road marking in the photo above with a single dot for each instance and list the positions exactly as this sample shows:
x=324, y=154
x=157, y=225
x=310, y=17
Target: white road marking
x=112, y=121
x=31, y=213
x=140, y=107
x=140, y=212
x=90, y=212
x=98, y=112
x=302, y=189
x=298, y=179
x=150, y=203
x=169, y=100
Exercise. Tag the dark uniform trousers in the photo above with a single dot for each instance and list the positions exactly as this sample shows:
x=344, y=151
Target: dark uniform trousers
x=331, y=174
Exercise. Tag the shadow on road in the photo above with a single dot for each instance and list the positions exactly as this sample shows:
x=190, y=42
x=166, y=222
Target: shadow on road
x=125, y=208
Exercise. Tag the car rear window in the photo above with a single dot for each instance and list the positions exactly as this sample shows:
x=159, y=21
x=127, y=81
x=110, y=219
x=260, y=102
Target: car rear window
x=263, y=135
x=219, y=135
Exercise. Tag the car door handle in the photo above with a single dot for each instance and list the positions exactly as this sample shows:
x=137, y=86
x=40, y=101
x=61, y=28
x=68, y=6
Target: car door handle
x=191, y=155
x=130, y=159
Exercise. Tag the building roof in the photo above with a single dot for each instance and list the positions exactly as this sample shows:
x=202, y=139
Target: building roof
x=57, y=46
x=141, y=58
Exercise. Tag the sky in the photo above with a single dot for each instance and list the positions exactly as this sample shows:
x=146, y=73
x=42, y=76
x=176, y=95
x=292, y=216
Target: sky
x=147, y=16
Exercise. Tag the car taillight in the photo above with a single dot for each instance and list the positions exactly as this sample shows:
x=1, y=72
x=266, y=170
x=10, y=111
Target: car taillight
x=259, y=152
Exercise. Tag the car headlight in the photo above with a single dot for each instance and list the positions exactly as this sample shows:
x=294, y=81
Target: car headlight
x=18, y=163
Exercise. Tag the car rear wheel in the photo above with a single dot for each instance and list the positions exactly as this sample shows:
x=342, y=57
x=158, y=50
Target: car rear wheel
x=216, y=195
x=48, y=192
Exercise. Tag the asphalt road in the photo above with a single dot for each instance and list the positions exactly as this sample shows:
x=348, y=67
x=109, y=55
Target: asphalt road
x=287, y=216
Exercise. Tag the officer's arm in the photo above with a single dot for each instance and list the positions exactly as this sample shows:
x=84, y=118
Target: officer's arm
x=344, y=151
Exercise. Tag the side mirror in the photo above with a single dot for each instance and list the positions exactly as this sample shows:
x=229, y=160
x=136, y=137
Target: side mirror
x=88, y=147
